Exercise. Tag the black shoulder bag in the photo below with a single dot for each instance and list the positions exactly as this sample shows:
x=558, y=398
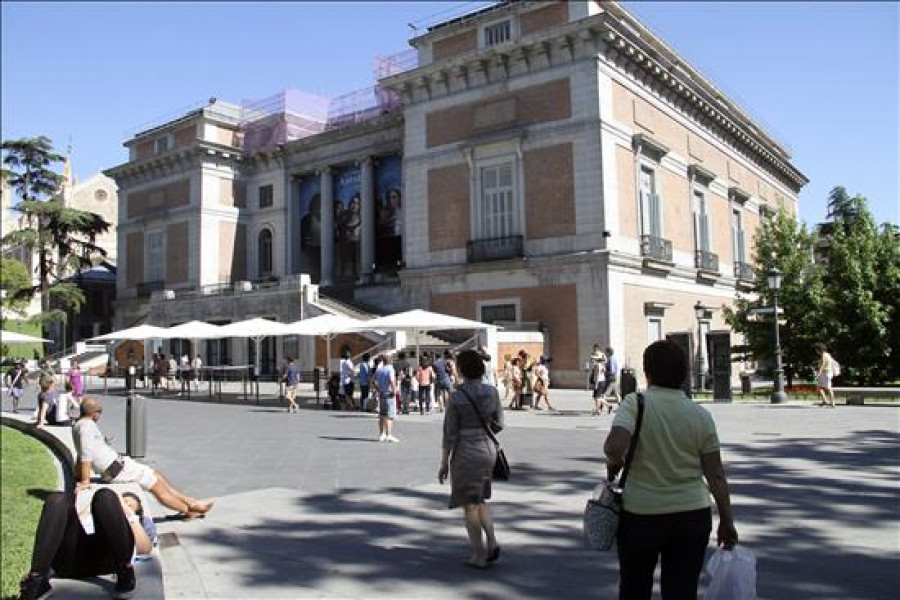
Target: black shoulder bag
x=501, y=465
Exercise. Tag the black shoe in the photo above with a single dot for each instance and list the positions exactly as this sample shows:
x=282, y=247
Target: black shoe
x=494, y=555
x=124, y=583
x=35, y=587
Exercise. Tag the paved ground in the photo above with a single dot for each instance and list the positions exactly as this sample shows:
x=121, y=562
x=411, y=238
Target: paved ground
x=312, y=506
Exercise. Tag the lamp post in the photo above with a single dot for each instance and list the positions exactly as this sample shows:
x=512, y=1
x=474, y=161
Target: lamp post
x=700, y=312
x=778, y=395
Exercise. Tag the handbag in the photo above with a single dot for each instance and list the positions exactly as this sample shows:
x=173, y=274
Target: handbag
x=601, y=515
x=501, y=465
x=113, y=470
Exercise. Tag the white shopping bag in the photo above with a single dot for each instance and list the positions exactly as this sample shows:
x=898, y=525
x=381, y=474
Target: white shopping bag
x=732, y=575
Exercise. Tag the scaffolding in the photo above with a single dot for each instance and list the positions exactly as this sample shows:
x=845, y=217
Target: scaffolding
x=286, y=116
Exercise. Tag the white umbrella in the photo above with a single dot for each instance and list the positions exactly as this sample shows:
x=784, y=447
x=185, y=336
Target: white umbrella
x=256, y=329
x=420, y=321
x=195, y=330
x=141, y=332
x=10, y=337
x=327, y=326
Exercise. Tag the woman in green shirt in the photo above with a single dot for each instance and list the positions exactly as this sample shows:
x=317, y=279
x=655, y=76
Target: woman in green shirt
x=666, y=509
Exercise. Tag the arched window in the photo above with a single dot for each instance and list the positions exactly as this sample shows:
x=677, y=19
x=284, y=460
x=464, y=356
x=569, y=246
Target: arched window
x=264, y=253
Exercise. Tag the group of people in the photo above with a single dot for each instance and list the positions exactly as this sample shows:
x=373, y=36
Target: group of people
x=166, y=370
x=521, y=374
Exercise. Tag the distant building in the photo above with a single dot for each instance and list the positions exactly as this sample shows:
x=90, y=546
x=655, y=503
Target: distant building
x=542, y=165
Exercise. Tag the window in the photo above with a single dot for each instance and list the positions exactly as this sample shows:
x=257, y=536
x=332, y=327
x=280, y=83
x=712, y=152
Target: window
x=492, y=313
x=161, y=144
x=498, y=33
x=266, y=196
x=264, y=254
x=154, y=268
x=701, y=222
x=654, y=329
x=497, y=201
x=651, y=208
x=737, y=236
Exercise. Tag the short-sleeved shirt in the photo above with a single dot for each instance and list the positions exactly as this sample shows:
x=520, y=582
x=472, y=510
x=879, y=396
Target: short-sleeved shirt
x=346, y=371
x=666, y=474
x=612, y=367
x=92, y=446
x=292, y=375
x=364, y=370
x=51, y=401
x=383, y=377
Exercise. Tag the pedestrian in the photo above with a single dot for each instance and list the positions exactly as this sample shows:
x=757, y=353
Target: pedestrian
x=824, y=375
x=404, y=378
x=425, y=377
x=68, y=407
x=94, y=453
x=120, y=533
x=666, y=508
x=385, y=383
x=611, y=374
x=77, y=380
x=506, y=379
x=468, y=456
x=291, y=379
x=16, y=380
x=597, y=381
x=365, y=372
x=172, y=372
x=442, y=373
x=48, y=403
x=517, y=384
x=196, y=366
x=348, y=372
x=526, y=368
x=542, y=383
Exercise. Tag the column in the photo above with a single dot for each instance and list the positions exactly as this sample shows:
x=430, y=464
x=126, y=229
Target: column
x=367, y=233
x=327, y=221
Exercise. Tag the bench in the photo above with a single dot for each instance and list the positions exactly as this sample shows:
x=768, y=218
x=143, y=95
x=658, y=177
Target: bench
x=857, y=396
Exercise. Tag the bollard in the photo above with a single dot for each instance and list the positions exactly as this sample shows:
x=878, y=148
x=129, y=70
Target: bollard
x=136, y=426
x=628, y=382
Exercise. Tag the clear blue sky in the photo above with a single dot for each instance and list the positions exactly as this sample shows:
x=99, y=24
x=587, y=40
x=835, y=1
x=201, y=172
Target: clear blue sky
x=821, y=77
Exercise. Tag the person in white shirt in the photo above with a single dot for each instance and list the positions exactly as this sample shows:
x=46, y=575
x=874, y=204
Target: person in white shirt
x=348, y=372
x=67, y=405
x=94, y=453
x=196, y=365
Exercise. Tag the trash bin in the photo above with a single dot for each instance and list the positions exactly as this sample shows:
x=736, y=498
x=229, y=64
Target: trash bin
x=136, y=426
x=627, y=382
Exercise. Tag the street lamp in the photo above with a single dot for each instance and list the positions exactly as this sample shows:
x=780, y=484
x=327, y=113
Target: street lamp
x=778, y=395
x=700, y=311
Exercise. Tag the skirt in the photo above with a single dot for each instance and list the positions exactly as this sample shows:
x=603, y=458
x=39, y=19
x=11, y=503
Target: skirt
x=471, y=467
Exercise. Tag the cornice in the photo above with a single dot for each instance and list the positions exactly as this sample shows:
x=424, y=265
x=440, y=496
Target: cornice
x=172, y=162
x=608, y=37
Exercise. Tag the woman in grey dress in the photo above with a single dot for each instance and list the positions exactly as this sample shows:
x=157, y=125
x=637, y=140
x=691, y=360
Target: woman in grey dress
x=468, y=455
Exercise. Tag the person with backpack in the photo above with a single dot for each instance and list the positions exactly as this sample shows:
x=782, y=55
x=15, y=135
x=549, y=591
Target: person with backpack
x=16, y=380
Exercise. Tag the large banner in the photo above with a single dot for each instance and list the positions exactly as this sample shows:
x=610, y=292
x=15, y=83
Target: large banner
x=347, y=221
x=310, y=212
x=388, y=213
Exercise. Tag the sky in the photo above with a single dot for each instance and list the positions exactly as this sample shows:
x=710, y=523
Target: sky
x=822, y=78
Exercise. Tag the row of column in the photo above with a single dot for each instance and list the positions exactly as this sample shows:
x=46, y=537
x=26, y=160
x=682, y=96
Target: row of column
x=367, y=223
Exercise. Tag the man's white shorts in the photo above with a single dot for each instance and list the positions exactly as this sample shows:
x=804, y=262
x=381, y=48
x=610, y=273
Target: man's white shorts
x=135, y=472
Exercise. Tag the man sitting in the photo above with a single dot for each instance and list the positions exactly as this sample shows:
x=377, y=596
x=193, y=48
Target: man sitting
x=94, y=452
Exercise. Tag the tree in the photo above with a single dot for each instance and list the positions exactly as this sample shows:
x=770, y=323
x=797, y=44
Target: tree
x=61, y=238
x=888, y=292
x=843, y=208
x=14, y=280
x=785, y=243
x=860, y=270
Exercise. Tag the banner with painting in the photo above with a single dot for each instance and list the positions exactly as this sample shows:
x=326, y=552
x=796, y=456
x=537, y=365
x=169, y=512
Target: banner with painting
x=347, y=221
x=388, y=213
x=309, y=251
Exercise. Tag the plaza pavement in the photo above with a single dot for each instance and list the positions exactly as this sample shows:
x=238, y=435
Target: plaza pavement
x=310, y=505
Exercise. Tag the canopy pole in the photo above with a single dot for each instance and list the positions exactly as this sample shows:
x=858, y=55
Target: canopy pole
x=417, y=345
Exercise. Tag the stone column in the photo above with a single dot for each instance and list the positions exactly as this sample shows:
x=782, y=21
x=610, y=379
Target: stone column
x=367, y=233
x=327, y=220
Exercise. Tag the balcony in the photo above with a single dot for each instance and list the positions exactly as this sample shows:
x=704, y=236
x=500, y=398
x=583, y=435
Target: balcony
x=706, y=261
x=148, y=287
x=743, y=271
x=656, y=248
x=499, y=248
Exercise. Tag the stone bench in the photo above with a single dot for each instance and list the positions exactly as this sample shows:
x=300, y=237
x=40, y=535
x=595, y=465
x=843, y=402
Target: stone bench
x=857, y=396
x=149, y=572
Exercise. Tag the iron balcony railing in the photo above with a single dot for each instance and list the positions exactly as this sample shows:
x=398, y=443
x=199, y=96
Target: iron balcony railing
x=656, y=248
x=706, y=261
x=743, y=271
x=497, y=248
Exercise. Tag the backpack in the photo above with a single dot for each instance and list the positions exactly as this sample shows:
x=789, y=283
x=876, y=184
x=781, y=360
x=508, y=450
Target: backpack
x=835, y=368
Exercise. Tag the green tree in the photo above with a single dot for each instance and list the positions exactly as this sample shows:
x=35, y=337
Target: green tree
x=783, y=242
x=842, y=207
x=860, y=267
x=14, y=283
x=61, y=238
x=888, y=292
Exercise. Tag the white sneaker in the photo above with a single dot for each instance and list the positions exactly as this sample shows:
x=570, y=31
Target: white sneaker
x=392, y=439
x=382, y=438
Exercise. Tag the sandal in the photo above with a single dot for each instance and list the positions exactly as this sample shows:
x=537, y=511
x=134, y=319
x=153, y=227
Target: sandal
x=494, y=555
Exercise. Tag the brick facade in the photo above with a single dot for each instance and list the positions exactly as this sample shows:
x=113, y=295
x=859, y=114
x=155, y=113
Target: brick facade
x=448, y=207
x=549, y=191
